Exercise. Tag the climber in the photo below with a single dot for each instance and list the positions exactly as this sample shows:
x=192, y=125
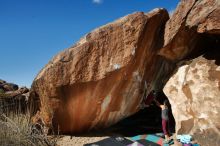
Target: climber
x=147, y=99
x=165, y=118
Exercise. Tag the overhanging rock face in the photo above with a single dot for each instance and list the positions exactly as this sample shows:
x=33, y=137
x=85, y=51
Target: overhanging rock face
x=187, y=30
x=100, y=80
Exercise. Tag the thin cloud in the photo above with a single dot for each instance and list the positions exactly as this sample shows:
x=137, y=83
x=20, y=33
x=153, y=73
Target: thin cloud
x=97, y=1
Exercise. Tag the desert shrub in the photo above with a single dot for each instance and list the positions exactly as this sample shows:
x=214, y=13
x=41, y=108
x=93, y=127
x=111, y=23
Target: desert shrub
x=2, y=91
x=3, y=95
x=17, y=130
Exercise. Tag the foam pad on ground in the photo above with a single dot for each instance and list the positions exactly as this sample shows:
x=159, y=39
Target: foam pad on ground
x=112, y=141
x=150, y=137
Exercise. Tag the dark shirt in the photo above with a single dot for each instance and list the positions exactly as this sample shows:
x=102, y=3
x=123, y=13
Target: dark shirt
x=164, y=114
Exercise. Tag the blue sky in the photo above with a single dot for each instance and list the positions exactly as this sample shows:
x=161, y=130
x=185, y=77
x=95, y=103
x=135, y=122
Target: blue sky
x=33, y=31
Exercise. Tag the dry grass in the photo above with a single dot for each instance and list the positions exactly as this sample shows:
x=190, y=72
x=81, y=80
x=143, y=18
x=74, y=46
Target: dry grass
x=2, y=94
x=17, y=130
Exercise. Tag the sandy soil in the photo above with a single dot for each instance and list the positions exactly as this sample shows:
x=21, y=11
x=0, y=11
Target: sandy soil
x=77, y=141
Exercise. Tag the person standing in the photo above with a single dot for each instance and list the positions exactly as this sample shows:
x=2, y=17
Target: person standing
x=165, y=118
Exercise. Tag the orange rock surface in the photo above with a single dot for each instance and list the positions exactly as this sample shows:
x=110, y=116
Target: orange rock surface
x=100, y=80
x=188, y=28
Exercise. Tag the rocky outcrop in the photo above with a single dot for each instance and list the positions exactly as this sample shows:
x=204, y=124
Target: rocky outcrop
x=186, y=33
x=7, y=86
x=100, y=80
x=194, y=93
x=12, y=98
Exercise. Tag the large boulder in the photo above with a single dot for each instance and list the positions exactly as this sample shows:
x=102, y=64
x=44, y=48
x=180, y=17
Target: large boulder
x=192, y=26
x=9, y=87
x=194, y=90
x=194, y=93
x=100, y=80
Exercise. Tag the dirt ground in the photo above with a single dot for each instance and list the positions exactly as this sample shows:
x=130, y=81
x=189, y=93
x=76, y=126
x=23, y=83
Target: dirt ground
x=77, y=141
